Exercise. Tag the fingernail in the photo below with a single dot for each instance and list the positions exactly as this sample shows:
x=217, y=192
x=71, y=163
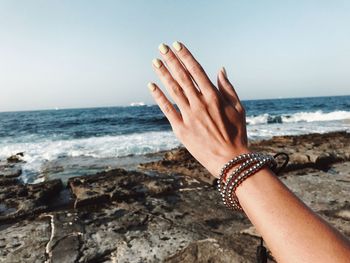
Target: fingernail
x=177, y=45
x=151, y=86
x=224, y=71
x=163, y=48
x=157, y=62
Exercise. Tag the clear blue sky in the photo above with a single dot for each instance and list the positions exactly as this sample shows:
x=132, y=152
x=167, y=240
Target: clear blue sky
x=98, y=53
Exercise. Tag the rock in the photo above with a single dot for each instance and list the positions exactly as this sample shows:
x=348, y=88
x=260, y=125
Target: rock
x=207, y=250
x=64, y=243
x=172, y=214
x=15, y=158
x=10, y=171
x=317, y=151
x=325, y=160
x=319, y=189
x=117, y=184
x=25, y=241
x=250, y=231
x=180, y=161
x=344, y=213
x=20, y=200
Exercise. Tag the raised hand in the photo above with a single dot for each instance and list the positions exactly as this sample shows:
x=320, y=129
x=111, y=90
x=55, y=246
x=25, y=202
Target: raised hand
x=211, y=122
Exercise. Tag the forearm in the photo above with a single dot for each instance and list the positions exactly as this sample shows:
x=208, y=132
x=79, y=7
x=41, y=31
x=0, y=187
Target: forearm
x=291, y=230
x=211, y=123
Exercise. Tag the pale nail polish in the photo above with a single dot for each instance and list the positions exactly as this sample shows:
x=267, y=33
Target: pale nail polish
x=163, y=48
x=177, y=45
x=157, y=62
x=151, y=86
x=224, y=71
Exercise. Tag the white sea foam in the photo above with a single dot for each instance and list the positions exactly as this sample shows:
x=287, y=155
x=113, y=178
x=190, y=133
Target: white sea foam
x=316, y=116
x=260, y=119
x=98, y=147
x=36, y=153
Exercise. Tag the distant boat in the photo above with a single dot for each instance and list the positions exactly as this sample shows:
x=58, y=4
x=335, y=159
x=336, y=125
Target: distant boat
x=136, y=104
x=56, y=108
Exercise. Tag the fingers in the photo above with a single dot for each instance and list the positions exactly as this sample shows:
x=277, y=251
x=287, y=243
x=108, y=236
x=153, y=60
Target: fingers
x=179, y=73
x=194, y=68
x=165, y=105
x=172, y=86
x=228, y=91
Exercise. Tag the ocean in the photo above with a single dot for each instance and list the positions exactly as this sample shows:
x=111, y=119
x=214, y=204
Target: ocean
x=71, y=142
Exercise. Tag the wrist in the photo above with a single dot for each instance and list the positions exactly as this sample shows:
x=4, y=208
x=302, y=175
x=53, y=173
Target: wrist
x=229, y=155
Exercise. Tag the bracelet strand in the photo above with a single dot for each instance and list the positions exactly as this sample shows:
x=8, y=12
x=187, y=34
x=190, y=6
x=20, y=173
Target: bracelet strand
x=250, y=163
x=234, y=183
x=238, y=159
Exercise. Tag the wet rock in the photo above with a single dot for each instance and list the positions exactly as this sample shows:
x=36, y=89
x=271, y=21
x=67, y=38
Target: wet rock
x=17, y=158
x=10, y=171
x=22, y=200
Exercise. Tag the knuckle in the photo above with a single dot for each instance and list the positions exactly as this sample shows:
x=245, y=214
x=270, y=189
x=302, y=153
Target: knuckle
x=199, y=109
x=240, y=109
x=176, y=89
x=168, y=78
x=213, y=97
x=167, y=107
x=195, y=68
x=182, y=75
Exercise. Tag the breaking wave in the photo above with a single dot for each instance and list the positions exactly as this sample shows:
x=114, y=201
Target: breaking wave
x=298, y=117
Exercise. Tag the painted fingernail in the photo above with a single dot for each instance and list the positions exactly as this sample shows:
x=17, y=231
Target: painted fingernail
x=177, y=45
x=224, y=71
x=163, y=48
x=157, y=62
x=151, y=86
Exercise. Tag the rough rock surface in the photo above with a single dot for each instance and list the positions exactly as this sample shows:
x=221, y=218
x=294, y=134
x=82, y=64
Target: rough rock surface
x=165, y=215
x=318, y=151
x=18, y=200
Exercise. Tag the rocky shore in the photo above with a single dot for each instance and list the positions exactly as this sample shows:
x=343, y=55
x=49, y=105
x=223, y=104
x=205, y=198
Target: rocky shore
x=166, y=211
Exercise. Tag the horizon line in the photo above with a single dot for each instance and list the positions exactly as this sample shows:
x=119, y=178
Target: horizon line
x=149, y=105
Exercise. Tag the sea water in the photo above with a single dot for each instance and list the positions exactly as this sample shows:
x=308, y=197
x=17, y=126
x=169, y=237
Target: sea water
x=71, y=142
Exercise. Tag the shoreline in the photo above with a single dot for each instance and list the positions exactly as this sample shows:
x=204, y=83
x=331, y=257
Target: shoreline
x=167, y=210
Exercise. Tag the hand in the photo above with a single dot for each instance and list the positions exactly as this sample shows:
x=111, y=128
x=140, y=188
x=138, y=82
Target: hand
x=211, y=122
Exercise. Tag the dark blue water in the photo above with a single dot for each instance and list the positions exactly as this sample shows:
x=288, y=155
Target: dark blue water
x=76, y=136
x=82, y=123
x=96, y=122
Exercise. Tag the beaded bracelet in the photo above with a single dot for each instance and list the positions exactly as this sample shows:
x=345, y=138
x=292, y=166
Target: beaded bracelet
x=222, y=186
x=231, y=163
x=235, y=181
x=250, y=163
x=234, y=175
